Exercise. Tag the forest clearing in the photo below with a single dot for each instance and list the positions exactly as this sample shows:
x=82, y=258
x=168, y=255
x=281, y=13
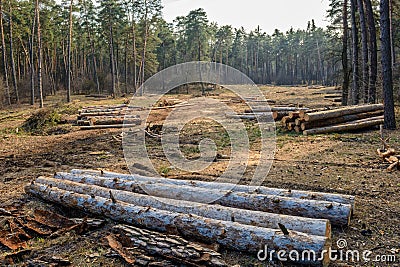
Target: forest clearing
x=180, y=133
x=316, y=163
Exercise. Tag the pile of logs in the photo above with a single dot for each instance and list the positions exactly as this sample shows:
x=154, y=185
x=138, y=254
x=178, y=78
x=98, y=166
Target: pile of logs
x=240, y=217
x=334, y=120
x=104, y=117
x=390, y=156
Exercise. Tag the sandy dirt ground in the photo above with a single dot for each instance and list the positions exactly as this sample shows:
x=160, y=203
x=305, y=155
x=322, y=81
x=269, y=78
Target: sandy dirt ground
x=339, y=163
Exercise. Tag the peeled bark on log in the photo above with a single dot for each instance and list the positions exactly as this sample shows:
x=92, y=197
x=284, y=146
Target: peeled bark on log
x=338, y=198
x=341, y=112
x=170, y=247
x=229, y=234
x=255, y=218
x=344, y=127
x=337, y=213
x=340, y=120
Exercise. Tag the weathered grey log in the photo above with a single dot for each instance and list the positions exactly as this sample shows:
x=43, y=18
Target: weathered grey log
x=340, y=112
x=339, y=198
x=114, y=126
x=336, y=213
x=255, y=218
x=356, y=125
x=338, y=120
x=229, y=234
x=256, y=116
x=170, y=247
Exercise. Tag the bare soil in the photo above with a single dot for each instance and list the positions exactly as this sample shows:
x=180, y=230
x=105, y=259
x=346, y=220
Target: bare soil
x=339, y=163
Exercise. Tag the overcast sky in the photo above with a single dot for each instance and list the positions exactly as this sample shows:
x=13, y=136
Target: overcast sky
x=269, y=14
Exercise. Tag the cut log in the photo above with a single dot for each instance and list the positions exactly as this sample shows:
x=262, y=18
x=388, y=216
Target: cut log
x=332, y=96
x=114, y=120
x=170, y=247
x=278, y=115
x=294, y=115
x=339, y=198
x=340, y=120
x=297, y=129
x=337, y=213
x=229, y=234
x=322, y=115
x=102, y=113
x=255, y=218
x=345, y=127
x=256, y=116
x=116, y=126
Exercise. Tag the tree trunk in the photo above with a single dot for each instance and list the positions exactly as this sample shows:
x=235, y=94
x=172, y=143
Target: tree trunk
x=328, y=114
x=69, y=68
x=364, y=51
x=354, y=125
x=390, y=120
x=39, y=43
x=4, y=52
x=112, y=62
x=247, y=217
x=13, y=72
x=345, y=60
x=355, y=90
x=344, y=199
x=373, y=52
x=229, y=234
x=337, y=213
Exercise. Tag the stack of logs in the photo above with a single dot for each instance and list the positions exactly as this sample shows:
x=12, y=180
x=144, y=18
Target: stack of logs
x=240, y=217
x=104, y=117
x=335, y=120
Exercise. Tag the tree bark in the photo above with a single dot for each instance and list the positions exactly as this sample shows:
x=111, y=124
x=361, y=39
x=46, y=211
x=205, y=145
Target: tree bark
x=337, y=213
x=248, y=217
x=344, y=199
x=354, y=125
x=355, y=90
x=328, y=114
x=173, y=248
x=339, y=120
x=390, y=120
x=39, y=43
x=231, y=235
x=112, y=61
x=4, y=53
x=373, y=52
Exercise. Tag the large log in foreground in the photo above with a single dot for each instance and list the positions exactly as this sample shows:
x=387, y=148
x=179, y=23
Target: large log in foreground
x=336, y=213
x=255, y=218
x=322, y=115
x=355, y=125
x=229, y=234
x=338, y=198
